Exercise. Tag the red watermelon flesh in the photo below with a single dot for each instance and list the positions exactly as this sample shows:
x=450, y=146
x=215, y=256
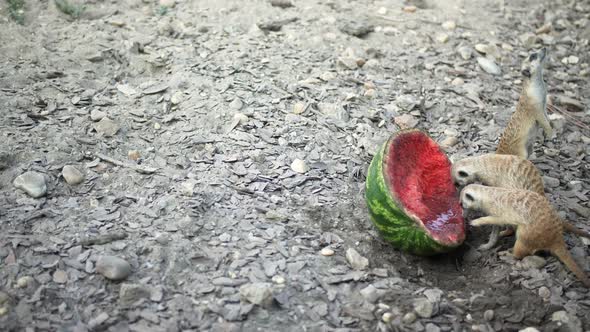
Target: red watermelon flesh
x=418, y=174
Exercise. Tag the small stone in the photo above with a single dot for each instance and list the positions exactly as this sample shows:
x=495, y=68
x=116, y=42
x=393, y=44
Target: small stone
x=409, y=318
x=387, y=317
x=545, y=28
x=357, y=28
x=423, y=307
x=550, y=182
x=449, y=25
x=327, y=76
x=442, y=38
x=327, y=251
x=488, y=315
x=410, y=9
x=279, y=280
x=298, y=108
x=106, y=127
x=93, y=323
x=236, y=104
x=529, y=329
x=112, y=267
x=131, y=293
x=72, y=175
x=23, y=282
x=347, y=62
x=528, y=39
x=406, y=121
x=573, y=59
x=558, y=123
x=167, y=3
x=281, y=3
x=370, y=294
x=489, y=66
x=32, y=183
x=177, y=98
x=370, y=93
x=299, y=166
x=457, y=81
x=259, y=293
x=534, y=262
x=157, y=126
x=449, y=141
x=240, y=118
x=430, y=327
x=544, y=292
x=133, y=155
x=97, y=115
x=224, y=237
x=481, y=48
x=355, y=260
x=382, y=11
x=60, y=276
x=465, y=52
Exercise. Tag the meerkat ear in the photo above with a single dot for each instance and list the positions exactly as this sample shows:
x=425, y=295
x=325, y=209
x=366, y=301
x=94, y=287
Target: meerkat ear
x=526, y=72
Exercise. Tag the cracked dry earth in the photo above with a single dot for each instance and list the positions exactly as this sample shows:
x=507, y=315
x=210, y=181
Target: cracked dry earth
x=222, y=147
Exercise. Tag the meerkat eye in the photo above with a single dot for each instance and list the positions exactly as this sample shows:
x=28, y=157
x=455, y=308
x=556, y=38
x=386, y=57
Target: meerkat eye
x=526, y=72
x=462, y=174
x=533, y=57
x=469, y=197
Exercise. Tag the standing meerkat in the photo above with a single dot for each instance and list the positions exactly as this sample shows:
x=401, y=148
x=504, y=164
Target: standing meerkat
x=505, y=171
x=531, y=112
x=538, y=227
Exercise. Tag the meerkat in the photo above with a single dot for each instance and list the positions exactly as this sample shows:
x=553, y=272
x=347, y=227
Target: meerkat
x=538, y=227
x=505, y=171
x=531, y=111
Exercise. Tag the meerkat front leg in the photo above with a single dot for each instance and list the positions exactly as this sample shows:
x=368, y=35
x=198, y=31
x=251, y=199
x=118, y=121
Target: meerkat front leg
x=488, y=220
x=547, y=130
x=492, y=240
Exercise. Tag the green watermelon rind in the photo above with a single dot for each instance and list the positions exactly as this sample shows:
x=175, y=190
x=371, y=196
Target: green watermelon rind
x=391, y=220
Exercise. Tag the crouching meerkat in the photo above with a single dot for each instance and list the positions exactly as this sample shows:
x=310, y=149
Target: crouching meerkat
x=505, y=171
x=531, y=111
x=538, y=227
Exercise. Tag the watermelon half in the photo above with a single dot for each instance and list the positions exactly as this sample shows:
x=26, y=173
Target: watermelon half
x=411, y=196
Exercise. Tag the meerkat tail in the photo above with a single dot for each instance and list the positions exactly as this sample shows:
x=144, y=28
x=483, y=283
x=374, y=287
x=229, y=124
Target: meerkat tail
x=564, y=255
x=573, y=229
x=493, y=239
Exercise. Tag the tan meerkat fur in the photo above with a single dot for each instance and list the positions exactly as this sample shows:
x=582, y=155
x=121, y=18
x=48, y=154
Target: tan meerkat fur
x=531, y=111
x=538, y=227
x=505, y=171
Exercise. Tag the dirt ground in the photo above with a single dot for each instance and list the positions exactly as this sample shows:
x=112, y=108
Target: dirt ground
x=224, y=146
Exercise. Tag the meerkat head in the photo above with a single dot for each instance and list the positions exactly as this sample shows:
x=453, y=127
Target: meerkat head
x=533, y=64
x=470, y=197
x=463, y=172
